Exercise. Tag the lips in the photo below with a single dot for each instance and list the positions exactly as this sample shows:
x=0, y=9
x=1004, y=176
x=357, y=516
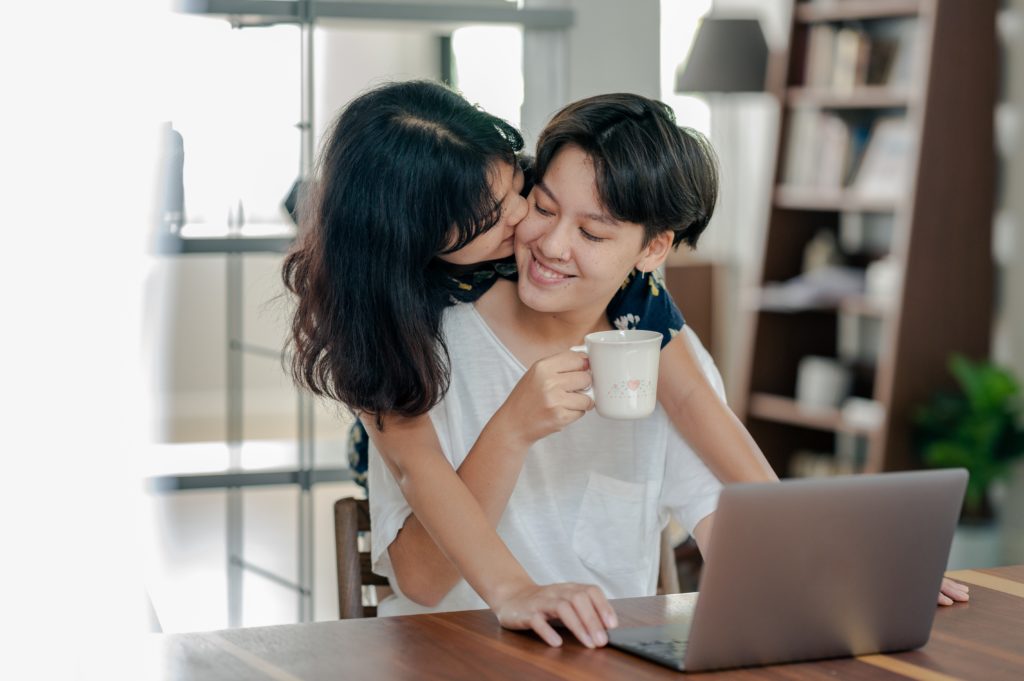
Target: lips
x=543, y=275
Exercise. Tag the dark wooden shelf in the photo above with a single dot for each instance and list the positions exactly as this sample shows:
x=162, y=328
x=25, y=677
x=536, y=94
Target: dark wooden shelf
x=863, y=97
x=856, y=305
x=940, y=239
x=842, y=10
x=788, y=411
x=810, y=198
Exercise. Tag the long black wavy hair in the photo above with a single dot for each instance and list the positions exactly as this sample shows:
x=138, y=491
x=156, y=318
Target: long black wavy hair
x=403, y=175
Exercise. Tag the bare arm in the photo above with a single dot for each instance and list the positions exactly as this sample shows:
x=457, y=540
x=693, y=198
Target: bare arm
x=451, y=532
x=705, y=421
x=413, y=454
x=702, y=534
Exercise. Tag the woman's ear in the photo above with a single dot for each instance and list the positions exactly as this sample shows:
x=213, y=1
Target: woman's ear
x=655, y=252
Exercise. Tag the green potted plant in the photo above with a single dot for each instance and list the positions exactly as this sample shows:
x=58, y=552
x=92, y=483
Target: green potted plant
x=977, y=428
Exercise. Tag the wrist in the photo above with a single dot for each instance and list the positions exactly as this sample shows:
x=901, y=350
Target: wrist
x=504, y=432
x=505, y=589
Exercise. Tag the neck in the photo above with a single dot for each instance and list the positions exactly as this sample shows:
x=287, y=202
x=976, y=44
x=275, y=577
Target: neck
x=530, y=334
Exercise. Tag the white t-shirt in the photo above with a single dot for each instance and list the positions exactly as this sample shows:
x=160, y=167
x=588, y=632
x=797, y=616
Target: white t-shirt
x=591, y=500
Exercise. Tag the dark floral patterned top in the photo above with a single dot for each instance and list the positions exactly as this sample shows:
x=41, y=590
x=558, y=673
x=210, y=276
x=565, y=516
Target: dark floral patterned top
x=642, y=302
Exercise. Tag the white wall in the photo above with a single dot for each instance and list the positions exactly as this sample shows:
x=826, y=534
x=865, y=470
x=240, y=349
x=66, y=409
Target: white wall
x=612, y=47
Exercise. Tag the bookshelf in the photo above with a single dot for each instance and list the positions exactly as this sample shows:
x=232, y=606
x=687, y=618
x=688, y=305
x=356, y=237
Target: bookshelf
x=884, y=178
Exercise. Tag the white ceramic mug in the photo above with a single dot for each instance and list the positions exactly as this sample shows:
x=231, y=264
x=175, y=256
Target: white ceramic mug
x=624, y=367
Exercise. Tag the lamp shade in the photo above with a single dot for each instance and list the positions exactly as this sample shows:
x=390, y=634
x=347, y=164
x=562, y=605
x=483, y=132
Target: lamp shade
x=728, y=55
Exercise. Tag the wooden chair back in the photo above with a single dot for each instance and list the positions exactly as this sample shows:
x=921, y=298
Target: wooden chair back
x=352, y=521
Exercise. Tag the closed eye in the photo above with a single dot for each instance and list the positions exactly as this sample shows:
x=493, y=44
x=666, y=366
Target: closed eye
x=545, y=213
x=590, y=237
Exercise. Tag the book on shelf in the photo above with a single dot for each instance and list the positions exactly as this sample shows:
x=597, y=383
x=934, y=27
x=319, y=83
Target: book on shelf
x=841, y=58
x=822, y=149
x=883, y=171
x=850, y=60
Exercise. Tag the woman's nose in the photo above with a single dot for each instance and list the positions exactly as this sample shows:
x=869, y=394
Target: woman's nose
x=553, y=244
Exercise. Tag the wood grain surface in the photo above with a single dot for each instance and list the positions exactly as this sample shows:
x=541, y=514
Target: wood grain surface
x=982, y=639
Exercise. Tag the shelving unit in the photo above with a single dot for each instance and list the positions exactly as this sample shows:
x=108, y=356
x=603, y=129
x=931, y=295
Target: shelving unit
x=941, y=233
x=304, y=474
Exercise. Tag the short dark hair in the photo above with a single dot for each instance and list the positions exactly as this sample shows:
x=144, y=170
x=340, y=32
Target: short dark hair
x=649, y=170
x=403, y=175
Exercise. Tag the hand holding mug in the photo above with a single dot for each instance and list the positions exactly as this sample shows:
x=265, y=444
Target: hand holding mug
x=548, y=397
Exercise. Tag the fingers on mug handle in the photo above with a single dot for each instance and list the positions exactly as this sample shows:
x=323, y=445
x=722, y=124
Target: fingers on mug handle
x=582, y=349
x=588, y=391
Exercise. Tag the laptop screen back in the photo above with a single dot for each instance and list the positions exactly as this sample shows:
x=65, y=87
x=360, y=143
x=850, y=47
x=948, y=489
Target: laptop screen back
x=821, y=568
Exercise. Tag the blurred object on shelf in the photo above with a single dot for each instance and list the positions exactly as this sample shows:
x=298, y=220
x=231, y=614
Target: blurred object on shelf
x=823, y=287
x=292, y=202
x=882, y=281
x=822, y=382
x=172, y=185
x=808, y=464
x=862, y=413
x=866, y=233
x=859, y=338
x=844, y=57
x=884, y=169
x=821, y=251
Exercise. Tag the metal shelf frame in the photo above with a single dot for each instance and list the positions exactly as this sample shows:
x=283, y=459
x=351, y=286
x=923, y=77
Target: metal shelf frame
x=269, y=12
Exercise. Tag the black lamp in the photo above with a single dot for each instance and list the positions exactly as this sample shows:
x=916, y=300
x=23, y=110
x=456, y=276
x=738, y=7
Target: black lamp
x=728, y=55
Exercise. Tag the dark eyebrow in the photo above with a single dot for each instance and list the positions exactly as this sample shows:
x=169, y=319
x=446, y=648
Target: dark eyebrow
x=596, y=217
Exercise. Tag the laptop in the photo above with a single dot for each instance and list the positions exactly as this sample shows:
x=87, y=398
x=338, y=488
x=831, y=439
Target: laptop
x=814, y=568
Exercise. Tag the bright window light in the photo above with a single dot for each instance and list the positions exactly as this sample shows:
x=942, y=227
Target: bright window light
x=489, y=68
x=679, y=22
x=234, y=95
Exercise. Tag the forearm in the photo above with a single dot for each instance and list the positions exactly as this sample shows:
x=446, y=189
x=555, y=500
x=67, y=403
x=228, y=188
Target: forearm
x=443, y=542
x=426, y=552
x=717, y=436
x=705, y=421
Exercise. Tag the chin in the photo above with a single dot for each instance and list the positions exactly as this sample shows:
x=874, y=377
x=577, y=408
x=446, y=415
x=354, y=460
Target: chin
x=543, y=300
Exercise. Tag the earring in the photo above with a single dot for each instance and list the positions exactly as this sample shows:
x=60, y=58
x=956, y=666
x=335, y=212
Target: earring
x=642, y=272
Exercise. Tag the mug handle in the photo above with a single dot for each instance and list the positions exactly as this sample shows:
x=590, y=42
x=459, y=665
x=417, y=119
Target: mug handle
x=589, y=391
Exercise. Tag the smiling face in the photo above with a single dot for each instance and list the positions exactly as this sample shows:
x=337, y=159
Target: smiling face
x=506, y=182
x=571, y=254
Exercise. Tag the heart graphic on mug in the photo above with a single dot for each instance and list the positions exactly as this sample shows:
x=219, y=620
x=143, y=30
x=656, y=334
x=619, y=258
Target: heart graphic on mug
x=633, y=384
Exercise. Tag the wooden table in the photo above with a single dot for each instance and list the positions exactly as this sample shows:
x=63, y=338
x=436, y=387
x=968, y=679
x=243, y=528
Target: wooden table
x=979, y=640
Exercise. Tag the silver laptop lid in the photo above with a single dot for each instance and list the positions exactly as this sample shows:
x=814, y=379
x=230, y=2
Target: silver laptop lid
x=818, y=568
